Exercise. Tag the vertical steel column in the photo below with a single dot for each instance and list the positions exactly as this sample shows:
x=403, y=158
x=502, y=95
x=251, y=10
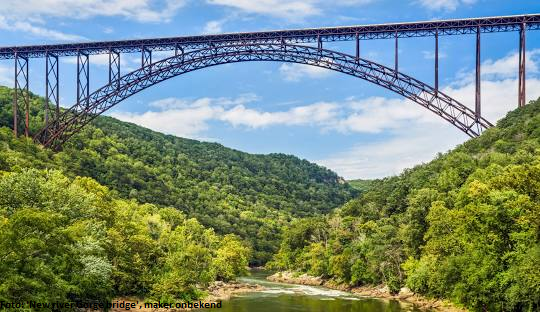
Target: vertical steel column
x=26, y=102
x=436, y=61
x=357, y=48
x=114, y=67
x=51, y=86
x=21, y=73
x=15, y=104
x=478, y=107
x=283, y=44
x=146, y=58
x=213, y=46
x=521, y=78
x=396, y=60
x=83, y=78
x=319, y=43
x=178, y=48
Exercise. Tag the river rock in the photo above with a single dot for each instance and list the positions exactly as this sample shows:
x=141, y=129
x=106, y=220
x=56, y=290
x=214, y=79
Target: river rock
x=405, y=293
x=294, y=278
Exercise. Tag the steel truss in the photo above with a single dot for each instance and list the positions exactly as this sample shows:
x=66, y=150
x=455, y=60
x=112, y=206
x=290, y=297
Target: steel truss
x=73, y=119
x=83, y=78
x=296, y=36
x=478, y=78
x=114, y=67
x=521, y=75
x=52, y=90
x=198, y=52
x=146, y=59
x=21, y=90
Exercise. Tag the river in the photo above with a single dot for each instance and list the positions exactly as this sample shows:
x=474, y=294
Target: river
x=279, y=297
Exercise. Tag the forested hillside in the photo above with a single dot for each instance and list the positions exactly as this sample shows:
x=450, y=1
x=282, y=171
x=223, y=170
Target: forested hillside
x=125, y=211
x=231, y=191
x=67, y=239
x=465, y=226
x=361, y=185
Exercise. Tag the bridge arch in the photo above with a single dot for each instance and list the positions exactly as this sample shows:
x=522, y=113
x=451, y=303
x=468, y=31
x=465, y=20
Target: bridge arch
x=76, y=117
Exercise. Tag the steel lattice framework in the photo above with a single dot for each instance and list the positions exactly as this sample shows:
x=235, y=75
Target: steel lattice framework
x=198, y=52
x=328, y=34
x=79, y=115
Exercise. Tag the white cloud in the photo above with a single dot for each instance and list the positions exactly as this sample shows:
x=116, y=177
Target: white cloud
x=6, y=75
x=352, y=2
x=190, y=117
x=420, y=143
x=188, y=122
x=45, y=33
x=213, y=27
x=295, y=10
x=216, y=26
x=430, y=55
x=295, y=72
x=377, y=114
x=37, y=31
x=417, y=140
x=28, y=16
x=184, y=117
x=140, y=10
x=319, y=113
x=447, y=5
x=176, y=103
x=508, y=66
x=498, y=96
x=503, y=68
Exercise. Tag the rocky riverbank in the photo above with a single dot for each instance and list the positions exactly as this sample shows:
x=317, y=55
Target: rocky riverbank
x=223, y=291
x=380, y=291
x=217, y=291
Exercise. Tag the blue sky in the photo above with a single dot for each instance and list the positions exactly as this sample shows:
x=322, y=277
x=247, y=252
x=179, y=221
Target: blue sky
x=346, y=124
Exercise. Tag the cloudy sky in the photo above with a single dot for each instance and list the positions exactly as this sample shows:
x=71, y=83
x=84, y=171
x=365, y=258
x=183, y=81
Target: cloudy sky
x=346, y=124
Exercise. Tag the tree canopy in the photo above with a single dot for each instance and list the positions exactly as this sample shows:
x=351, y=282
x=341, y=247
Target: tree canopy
x=252, y=196
x=465, y=226
x=125, y=210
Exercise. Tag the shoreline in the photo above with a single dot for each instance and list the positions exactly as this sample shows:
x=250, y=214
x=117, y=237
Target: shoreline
x=217, y=291
x=381, y=291
x=222, y=291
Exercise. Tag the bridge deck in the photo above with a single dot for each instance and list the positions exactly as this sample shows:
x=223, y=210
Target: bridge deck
x=345, y=33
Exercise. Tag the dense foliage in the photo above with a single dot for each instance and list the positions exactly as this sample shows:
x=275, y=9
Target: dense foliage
x=71, y=239
x=361, y=185
x=252, y=196
x=465, y=226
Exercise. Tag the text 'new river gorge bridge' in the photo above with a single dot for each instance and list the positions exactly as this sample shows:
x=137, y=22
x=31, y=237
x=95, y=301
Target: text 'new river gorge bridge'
x=303, y=46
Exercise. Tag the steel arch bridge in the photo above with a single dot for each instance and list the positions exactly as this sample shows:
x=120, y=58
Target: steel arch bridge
x=295, y=46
